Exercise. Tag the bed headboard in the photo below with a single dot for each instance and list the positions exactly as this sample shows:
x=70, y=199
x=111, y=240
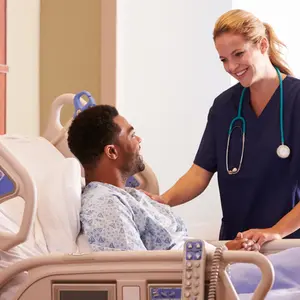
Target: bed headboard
x=56, y=133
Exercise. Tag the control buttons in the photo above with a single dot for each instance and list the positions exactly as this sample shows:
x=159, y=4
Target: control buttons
x=194, y=253
x=187, y=294
x=198, y=255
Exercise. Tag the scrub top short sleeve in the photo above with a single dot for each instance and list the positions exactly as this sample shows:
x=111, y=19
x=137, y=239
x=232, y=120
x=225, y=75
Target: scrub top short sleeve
x=206, y=154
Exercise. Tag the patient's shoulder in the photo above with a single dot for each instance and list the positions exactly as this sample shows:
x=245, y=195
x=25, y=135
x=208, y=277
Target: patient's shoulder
x=97, y=195
x=100, y=189
x=144, y=200
x=137, y=194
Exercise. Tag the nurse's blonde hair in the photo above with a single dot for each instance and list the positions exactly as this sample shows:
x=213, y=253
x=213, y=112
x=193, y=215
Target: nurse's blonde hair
x=245, y=23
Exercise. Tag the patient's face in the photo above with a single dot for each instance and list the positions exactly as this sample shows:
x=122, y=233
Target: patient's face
x=131, y=161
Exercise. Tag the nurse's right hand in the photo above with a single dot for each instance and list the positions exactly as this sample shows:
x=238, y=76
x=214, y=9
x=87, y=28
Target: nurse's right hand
x=246, y=244
x=157, y=198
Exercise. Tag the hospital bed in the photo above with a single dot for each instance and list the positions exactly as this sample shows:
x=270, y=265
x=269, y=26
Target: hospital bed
x=44, y=255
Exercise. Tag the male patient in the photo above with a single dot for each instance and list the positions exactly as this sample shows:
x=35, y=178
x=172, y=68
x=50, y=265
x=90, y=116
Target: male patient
x=115, y=217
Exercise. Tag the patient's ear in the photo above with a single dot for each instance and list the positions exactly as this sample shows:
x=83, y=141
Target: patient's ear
x=111, y=152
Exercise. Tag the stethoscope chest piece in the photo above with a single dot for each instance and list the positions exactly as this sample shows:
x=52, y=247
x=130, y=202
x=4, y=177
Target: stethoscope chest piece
x=233, y=171
x=283, y=151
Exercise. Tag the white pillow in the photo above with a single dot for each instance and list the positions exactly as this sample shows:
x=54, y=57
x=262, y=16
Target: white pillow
x=37, y=155
x=12, y=210
x=59, y=206
x=58, y=192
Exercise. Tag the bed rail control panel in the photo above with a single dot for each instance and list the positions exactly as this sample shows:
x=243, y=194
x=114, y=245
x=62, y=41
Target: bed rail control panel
x=193, y=277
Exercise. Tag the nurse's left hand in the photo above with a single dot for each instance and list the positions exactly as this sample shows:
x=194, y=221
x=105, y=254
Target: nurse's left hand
x=261, y=236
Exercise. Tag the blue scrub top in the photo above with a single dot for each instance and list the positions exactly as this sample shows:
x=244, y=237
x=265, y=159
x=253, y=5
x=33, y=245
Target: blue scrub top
x=267, y=187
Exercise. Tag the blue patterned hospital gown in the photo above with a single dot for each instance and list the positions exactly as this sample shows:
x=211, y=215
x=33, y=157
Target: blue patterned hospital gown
x=127, y=219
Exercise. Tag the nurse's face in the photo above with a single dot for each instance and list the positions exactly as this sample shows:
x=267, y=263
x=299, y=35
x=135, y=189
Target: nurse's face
x=242, y=59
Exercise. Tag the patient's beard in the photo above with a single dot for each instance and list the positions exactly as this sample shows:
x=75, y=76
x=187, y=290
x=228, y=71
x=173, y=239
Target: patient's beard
x=133, y=166
x=140, y=166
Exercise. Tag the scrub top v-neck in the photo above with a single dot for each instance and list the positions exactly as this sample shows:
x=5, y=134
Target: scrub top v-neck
x=266, y=188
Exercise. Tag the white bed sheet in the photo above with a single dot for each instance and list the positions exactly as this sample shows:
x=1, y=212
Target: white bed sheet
x=18, y=253
x=11, y=213
x=286, y=294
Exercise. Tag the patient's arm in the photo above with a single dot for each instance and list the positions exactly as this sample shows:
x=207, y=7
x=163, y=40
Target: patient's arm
x=109, y=225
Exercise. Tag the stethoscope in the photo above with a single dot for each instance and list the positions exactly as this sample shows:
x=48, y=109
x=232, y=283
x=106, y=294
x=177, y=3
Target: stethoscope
x=283, y=151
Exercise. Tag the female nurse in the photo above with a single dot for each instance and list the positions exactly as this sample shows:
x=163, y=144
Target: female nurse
x=252, y=137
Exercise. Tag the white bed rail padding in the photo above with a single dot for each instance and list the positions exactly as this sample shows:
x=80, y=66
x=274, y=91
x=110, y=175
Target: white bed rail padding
x=279, y=245
x=256, y=258
x=269, y=247
x=25, y=188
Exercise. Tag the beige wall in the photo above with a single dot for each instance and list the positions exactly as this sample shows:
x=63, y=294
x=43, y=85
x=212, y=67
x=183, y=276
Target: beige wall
x=70, y=51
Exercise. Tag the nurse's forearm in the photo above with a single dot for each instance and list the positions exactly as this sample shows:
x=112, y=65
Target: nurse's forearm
x=289, y=223
x=189, y=186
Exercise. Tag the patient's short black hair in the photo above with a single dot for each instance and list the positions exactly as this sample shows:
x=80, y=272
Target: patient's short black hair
x=91, y=131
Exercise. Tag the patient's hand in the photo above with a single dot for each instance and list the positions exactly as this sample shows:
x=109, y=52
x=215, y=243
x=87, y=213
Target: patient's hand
x=242, y=243
x=236, y=244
